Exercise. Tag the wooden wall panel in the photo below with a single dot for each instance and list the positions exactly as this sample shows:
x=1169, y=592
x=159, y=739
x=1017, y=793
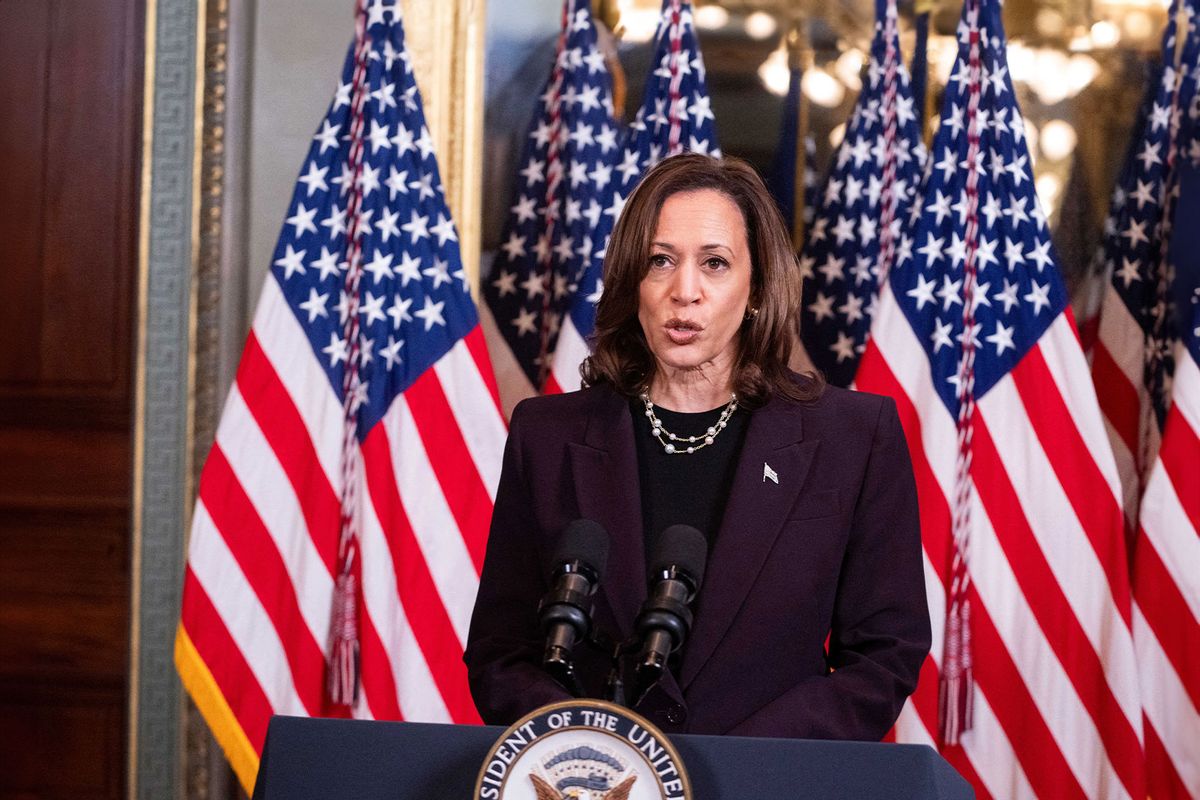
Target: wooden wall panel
x=70, y=87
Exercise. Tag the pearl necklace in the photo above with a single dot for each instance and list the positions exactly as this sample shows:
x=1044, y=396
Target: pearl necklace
x=658, y=431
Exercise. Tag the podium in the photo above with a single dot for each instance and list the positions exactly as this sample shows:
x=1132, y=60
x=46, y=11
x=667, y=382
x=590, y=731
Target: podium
x=311, y=759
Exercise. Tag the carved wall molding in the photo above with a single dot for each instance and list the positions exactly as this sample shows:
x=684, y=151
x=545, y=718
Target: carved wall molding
x=162, y=416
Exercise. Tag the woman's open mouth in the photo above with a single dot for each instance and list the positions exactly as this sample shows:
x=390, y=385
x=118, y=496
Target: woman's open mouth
x=681, y=331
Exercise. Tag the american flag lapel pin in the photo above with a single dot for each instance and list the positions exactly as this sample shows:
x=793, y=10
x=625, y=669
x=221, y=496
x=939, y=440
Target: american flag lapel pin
x=770, y=474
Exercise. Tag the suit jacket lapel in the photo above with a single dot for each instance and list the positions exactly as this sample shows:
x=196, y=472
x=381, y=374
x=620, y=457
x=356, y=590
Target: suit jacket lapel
x=754, y=514
x=607, y=489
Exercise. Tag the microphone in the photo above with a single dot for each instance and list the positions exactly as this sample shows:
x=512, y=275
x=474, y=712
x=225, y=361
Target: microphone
x=665, y=620
x=564, y=614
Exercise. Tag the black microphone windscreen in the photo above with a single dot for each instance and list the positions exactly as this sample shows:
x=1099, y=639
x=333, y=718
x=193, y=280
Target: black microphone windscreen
x=684, y=547
x=583, y=540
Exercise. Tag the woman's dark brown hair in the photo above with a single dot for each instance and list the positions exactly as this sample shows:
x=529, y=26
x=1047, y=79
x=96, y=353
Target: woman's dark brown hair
x=622, y=358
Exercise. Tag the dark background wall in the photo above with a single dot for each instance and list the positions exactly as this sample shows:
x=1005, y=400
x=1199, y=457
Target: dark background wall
x=70, y=124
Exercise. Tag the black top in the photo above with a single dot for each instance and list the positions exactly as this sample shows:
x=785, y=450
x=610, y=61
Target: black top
x=685, y=488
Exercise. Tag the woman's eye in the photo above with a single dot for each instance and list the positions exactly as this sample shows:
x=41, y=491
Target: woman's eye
x=716, y=263
x=659, y=261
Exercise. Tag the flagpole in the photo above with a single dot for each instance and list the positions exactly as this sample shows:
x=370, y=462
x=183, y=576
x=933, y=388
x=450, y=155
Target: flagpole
x=800, y=56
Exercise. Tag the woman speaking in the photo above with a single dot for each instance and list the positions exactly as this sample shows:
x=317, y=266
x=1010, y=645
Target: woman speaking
x=811, y=619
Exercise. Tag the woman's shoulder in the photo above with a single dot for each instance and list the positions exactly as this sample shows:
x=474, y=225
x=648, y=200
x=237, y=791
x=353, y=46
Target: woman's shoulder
x=566, y=410
x=838, y=409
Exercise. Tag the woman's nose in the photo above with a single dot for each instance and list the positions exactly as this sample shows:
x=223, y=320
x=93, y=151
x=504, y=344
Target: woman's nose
x=685, y=285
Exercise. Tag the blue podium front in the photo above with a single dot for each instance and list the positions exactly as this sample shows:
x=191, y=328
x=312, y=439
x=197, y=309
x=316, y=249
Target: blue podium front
x=321, y=759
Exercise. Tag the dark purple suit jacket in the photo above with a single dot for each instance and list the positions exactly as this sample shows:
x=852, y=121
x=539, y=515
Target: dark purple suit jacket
x=832, y=549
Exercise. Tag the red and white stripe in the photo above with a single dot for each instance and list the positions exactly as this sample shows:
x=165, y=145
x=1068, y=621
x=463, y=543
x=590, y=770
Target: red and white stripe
x=569, y=354
x=1057, y=707
x=1166, y=587
x=1117, y=362
x=263, y=549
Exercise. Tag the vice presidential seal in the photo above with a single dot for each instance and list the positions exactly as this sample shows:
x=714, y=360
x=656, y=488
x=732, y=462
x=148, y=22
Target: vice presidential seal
x=582, y=750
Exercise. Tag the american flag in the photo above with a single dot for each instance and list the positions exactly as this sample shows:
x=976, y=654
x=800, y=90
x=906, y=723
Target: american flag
x=360, y=445
x=1134, y=355
x=1026, y=573
x=856, y=234
x=676, y=113
x=675, y=116
x=564, y=207
x=1154, y=439
x=1166, y=584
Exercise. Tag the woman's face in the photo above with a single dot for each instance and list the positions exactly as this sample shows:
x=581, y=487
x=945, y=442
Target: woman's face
x=692, y=301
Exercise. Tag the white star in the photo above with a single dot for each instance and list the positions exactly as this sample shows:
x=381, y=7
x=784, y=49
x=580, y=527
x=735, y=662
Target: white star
x=524, y=209
x=1129, y=271
x=378, y=137
x=843, y=230
x=327, y=136
x=314, y=179
x=1041, y=254
x=425, y=141
x=822, y=307
x=957, y=249
x=525, y=322
x=391, y=353
x=1039, y=296
x=1002, y=338
x=940, y=206
x=423, y=185
x=1136, y=232
x=327, y=263
x=986, y=253
x=342, y=99
x=514, y=248
x=970, y=335
x=854, y=190
x=417, y=227
x=368, y=180
x=399, y=311
x=852, y=308
x=302, y=220
x=444, y=230
x=534, y=172
x=949, y=292
x=832, y=268
x=373, y=308
x=1143, y=194
x=409, y=269
x=923, y=292
x=618, y=205
x=336, y=349
x=403, y=140
x=843, y=348
x=932, y=250
x=336, y=222
x=941, y=335
x=1014, y=254
x=866, y=228
x=385, y=95
x=395, y=182
x=292, y=262
x=432, y=313
x=315, y=305
x=947, y=165
x=387, y=225
x=606, y=138
x=343, y=307
x=380, y=266
x=1008, y=296
x=1149, y=156
x=440, y=272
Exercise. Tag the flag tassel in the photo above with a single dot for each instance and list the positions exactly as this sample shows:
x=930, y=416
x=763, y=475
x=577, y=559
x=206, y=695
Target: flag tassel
x=344, y=648
x=957, y=688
